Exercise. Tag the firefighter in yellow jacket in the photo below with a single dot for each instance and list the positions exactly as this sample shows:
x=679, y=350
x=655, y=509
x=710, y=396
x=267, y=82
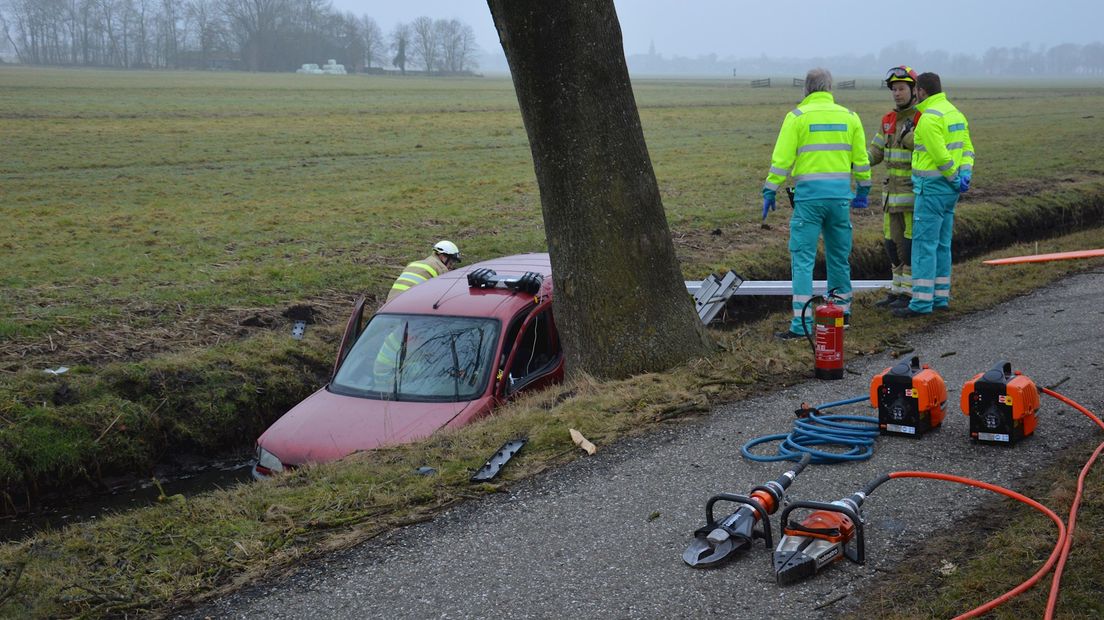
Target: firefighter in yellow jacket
x=893, y=144
x=823, y=147
x=445, y=255
x=942, y=166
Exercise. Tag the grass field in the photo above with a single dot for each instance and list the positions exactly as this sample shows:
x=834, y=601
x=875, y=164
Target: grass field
x=155, y=211
x=165, y=222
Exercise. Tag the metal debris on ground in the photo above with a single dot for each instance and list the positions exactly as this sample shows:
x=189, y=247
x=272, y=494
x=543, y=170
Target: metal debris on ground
x=493, y=465
x=297, y=329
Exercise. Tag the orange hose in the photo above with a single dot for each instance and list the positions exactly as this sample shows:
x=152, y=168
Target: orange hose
x=1000, y=600
x=1055, y=583
x=1042, y=258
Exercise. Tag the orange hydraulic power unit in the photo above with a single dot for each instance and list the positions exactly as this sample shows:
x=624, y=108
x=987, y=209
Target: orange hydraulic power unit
x=911, y=399
x=1002, y=405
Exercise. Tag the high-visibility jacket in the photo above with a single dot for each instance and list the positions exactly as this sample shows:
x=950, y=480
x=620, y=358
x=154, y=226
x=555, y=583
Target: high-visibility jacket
x=821, y=145
x=893, y=144
x=943, y=145
x=415, y=273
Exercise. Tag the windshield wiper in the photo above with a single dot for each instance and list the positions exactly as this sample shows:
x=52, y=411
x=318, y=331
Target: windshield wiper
x=456, y=369
x=402, y=360
x=478, y=358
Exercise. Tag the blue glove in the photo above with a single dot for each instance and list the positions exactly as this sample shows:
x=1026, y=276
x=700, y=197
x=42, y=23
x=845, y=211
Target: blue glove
x=861, y=199
x=768, y=202
x=963, y=181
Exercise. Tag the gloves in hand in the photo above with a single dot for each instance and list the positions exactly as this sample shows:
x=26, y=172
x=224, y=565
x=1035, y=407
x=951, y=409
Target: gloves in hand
x=861, y=199
x=768, y=202
x=768, y=206
x=963, y=181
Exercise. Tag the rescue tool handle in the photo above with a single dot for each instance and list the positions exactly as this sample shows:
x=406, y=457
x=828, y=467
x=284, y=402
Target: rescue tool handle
x=858, y=556
x=740, y=499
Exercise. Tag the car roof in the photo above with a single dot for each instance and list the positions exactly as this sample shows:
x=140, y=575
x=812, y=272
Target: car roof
x=449, y=294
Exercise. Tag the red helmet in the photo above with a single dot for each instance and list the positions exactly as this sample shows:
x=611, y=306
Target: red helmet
x=902, y=73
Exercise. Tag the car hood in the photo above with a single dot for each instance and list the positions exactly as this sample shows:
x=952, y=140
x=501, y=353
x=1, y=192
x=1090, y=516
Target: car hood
x=328, y=426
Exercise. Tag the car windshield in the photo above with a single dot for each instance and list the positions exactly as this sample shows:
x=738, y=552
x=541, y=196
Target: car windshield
x=419, y=358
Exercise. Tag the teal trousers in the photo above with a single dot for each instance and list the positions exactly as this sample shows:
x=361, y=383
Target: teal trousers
x=811, y=219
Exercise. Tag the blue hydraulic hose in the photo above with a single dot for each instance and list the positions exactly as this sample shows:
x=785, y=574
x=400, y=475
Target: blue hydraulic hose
x=822, y=430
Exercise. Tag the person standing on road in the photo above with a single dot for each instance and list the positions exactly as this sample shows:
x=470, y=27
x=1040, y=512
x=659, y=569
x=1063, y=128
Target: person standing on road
x=445, y=255
x=893, y=144
x=942, y=166
x=822, y=146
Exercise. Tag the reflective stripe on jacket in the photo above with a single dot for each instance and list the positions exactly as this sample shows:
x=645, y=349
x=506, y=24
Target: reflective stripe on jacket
x=822, y=146
x=942, y=140
x=893, y=143
x=416, y=273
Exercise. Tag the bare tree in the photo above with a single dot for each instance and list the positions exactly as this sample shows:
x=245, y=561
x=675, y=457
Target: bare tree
x=425, y=45
x=374, y=46
x=400, y=44
x=457, y=44
x=205, y=24
x=621, y=304
x=256, y=24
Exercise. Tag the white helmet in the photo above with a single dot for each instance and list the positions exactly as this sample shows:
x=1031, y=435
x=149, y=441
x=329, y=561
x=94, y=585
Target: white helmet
x=448, y=248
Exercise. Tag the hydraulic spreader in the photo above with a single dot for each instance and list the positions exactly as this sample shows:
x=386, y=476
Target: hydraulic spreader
x=911, y=399
x=1002, y=405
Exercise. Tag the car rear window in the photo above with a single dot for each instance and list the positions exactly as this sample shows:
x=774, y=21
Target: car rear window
x=420, y=358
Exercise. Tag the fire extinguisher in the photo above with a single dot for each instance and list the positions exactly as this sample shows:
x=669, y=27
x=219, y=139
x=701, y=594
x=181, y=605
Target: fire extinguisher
x=827, y=337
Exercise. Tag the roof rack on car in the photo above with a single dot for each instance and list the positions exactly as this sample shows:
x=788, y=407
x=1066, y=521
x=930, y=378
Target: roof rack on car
x=529, y=282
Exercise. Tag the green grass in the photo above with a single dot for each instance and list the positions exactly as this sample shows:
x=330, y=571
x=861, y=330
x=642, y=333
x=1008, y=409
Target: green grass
x=156, y=214
x=225, y=191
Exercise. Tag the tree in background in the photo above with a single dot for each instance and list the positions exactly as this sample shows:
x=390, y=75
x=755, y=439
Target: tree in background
x=400, y=42
x=621, y=304
x=207, y=29
x=457, y=45
x=425, y=43
x=374, y=46
x=256, y=26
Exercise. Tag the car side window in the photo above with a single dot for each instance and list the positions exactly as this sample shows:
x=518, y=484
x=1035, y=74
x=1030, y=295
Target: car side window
x=538, y=350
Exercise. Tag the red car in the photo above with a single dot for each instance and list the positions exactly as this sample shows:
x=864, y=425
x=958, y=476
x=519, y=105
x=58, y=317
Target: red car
x=442, y=354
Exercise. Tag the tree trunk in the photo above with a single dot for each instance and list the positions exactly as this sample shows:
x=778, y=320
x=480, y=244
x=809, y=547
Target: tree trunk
x=621, y=305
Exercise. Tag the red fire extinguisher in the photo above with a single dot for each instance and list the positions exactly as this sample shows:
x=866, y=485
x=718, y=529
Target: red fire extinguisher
x=827, y=338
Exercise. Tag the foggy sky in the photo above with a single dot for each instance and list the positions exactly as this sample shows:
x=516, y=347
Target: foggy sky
x=737, y=28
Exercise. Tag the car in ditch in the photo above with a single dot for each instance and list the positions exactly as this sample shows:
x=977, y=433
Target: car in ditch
x=440, y=355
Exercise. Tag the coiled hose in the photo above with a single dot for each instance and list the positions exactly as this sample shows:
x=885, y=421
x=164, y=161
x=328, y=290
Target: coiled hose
x=852, y=435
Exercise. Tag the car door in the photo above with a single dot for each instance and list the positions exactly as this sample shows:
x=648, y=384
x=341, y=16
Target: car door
x=352, y=332
x=534, y=358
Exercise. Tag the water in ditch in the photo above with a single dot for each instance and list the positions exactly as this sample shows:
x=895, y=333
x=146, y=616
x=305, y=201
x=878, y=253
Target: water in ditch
x=58, y=510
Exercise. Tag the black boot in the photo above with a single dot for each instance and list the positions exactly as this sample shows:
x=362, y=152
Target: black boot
x=902, y=302
x=888, y=301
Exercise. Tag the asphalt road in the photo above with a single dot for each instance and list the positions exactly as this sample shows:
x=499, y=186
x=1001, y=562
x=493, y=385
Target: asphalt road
x=603, y=536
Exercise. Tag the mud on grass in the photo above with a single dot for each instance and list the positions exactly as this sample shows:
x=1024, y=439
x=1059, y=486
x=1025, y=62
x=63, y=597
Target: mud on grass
x=140, y=330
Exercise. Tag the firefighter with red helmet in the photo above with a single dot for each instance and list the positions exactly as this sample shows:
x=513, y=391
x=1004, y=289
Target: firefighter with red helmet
x=893, y=144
